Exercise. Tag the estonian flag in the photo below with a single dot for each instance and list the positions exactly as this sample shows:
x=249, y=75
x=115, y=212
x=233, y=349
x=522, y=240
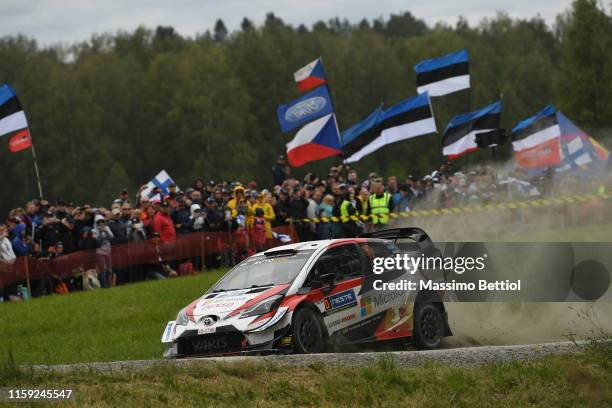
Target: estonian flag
x=460, y=134
x=410, y=118
x=13, y=120
x=443, y=75
x=537, y=140
x=310, y=76
x=315, y=141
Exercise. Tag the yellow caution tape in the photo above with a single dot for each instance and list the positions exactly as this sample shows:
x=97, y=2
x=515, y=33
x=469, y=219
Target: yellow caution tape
x=511, y=205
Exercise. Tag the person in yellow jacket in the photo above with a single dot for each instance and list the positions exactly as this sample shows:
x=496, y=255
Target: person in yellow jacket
x=238, y=200
x=238, y=205
x=263, y=202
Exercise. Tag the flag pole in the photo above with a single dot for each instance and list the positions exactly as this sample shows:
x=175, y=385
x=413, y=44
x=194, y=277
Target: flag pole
x=36, y=169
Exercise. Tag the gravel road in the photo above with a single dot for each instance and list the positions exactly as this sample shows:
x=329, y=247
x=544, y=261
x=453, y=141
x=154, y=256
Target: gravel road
x=465, y=356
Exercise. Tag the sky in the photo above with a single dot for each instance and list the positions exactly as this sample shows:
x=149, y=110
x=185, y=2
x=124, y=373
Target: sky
x=67, y=21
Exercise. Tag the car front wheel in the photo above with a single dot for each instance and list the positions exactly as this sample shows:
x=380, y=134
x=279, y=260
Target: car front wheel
x=428, y=326
x=308, y=332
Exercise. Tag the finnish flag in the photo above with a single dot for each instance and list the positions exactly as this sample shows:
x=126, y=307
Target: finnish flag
x=163, y=181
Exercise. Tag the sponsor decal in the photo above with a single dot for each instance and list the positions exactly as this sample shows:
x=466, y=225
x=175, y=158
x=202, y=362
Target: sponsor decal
x=340, y=300
x=371, y=303
x=305, y=108
x=212, y=344
x=366, y=306
x=206, y=330
x=345, y=319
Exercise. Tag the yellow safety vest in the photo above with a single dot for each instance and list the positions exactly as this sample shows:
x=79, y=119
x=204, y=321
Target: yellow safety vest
x=344, y=209
x=380, y=207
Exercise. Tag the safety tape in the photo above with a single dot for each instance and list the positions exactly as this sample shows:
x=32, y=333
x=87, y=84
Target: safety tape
x=470, y=209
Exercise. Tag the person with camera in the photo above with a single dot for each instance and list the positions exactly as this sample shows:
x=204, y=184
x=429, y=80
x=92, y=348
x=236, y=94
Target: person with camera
x=103, y=234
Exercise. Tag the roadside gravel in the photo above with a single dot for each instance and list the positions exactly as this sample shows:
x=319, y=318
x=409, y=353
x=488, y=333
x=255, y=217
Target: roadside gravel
x=465, y=356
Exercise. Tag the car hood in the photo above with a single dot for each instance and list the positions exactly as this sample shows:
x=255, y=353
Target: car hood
x=224, y=304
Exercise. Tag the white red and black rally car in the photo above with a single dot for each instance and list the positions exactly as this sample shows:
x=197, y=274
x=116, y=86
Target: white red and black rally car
x=307, y=296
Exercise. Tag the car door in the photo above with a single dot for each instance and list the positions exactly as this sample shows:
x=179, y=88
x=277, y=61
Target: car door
x=385, y=313
x=340, y=305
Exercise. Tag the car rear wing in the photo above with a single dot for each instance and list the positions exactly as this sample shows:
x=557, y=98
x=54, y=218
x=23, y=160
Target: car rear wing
x=406, y=239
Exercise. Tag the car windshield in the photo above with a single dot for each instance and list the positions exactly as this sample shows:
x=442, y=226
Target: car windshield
x=264, y=271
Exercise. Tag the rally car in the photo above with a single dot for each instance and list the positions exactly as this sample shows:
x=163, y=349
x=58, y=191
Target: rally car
x=309, y=296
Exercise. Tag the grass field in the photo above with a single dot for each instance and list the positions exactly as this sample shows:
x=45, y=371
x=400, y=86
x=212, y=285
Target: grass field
x=124, y=322
x=561, y=381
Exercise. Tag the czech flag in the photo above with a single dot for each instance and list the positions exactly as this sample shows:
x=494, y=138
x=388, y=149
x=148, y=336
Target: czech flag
x=310, y=76
x=13, y=120
x=315, y=141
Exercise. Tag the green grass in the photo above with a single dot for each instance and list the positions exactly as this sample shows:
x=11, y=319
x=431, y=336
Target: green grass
x=560, y=381
x=124, y=322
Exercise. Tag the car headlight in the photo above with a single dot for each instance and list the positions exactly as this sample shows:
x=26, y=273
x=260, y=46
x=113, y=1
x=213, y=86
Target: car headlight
x=265, y=306
x=182, y=319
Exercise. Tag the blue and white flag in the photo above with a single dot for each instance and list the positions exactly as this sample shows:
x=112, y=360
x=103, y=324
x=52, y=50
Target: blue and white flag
x=407, y=119
x=443, y=75
x=305, y=109
x=163, y=181
x=460, y=134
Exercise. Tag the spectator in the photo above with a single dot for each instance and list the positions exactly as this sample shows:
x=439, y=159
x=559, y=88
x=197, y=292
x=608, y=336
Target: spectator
x=215, y=218
x=278, y=171
x=263, y=202
x=258, y=231
x=163, y=225
x=326, y=209
x=6, y=247
x=181, y=218
x=160, y=269
x=118, y=227
x=104, y=236
x=124, y=197
x=20, y=242
x=196, y=219
x=136, y=230
x=381, y=205
x=297, y=207
x=350, y=228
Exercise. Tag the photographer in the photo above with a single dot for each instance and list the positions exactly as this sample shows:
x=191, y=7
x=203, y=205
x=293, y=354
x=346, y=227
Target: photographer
x=104, y=236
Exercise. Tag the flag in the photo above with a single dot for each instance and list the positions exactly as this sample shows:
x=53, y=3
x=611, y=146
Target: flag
x=460, y=134
x=410, y=118
x=21, y=140
x=443, y=75
x=315, y=141
x=537, y=140
x=13, y=120
x=163, y=181
x=304, y=109
x=368, y=124
x=310, y=76
x=578, y=152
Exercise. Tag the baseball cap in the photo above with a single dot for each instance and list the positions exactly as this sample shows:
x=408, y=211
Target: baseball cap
x=212, y=183
x=116, y=211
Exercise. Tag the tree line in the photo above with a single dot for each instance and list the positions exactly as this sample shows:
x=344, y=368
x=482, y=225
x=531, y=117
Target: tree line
x=110, y=112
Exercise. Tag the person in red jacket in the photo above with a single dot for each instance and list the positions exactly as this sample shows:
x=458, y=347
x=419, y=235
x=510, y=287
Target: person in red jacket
x=163, y=224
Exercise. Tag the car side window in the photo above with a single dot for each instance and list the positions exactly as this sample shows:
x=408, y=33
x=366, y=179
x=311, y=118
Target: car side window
x=343, y=261
x=380, y=250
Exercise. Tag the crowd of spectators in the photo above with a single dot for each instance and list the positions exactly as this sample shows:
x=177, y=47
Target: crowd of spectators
x=46, y=230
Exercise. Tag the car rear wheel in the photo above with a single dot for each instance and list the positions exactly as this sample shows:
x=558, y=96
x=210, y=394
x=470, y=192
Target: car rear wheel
x=308, y=332
x=428, y=326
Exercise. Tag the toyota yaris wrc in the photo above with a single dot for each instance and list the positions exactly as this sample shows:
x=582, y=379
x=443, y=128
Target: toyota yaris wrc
x=309, y=296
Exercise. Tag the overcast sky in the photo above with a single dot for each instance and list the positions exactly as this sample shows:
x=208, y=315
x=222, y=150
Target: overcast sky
x=52, y=21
